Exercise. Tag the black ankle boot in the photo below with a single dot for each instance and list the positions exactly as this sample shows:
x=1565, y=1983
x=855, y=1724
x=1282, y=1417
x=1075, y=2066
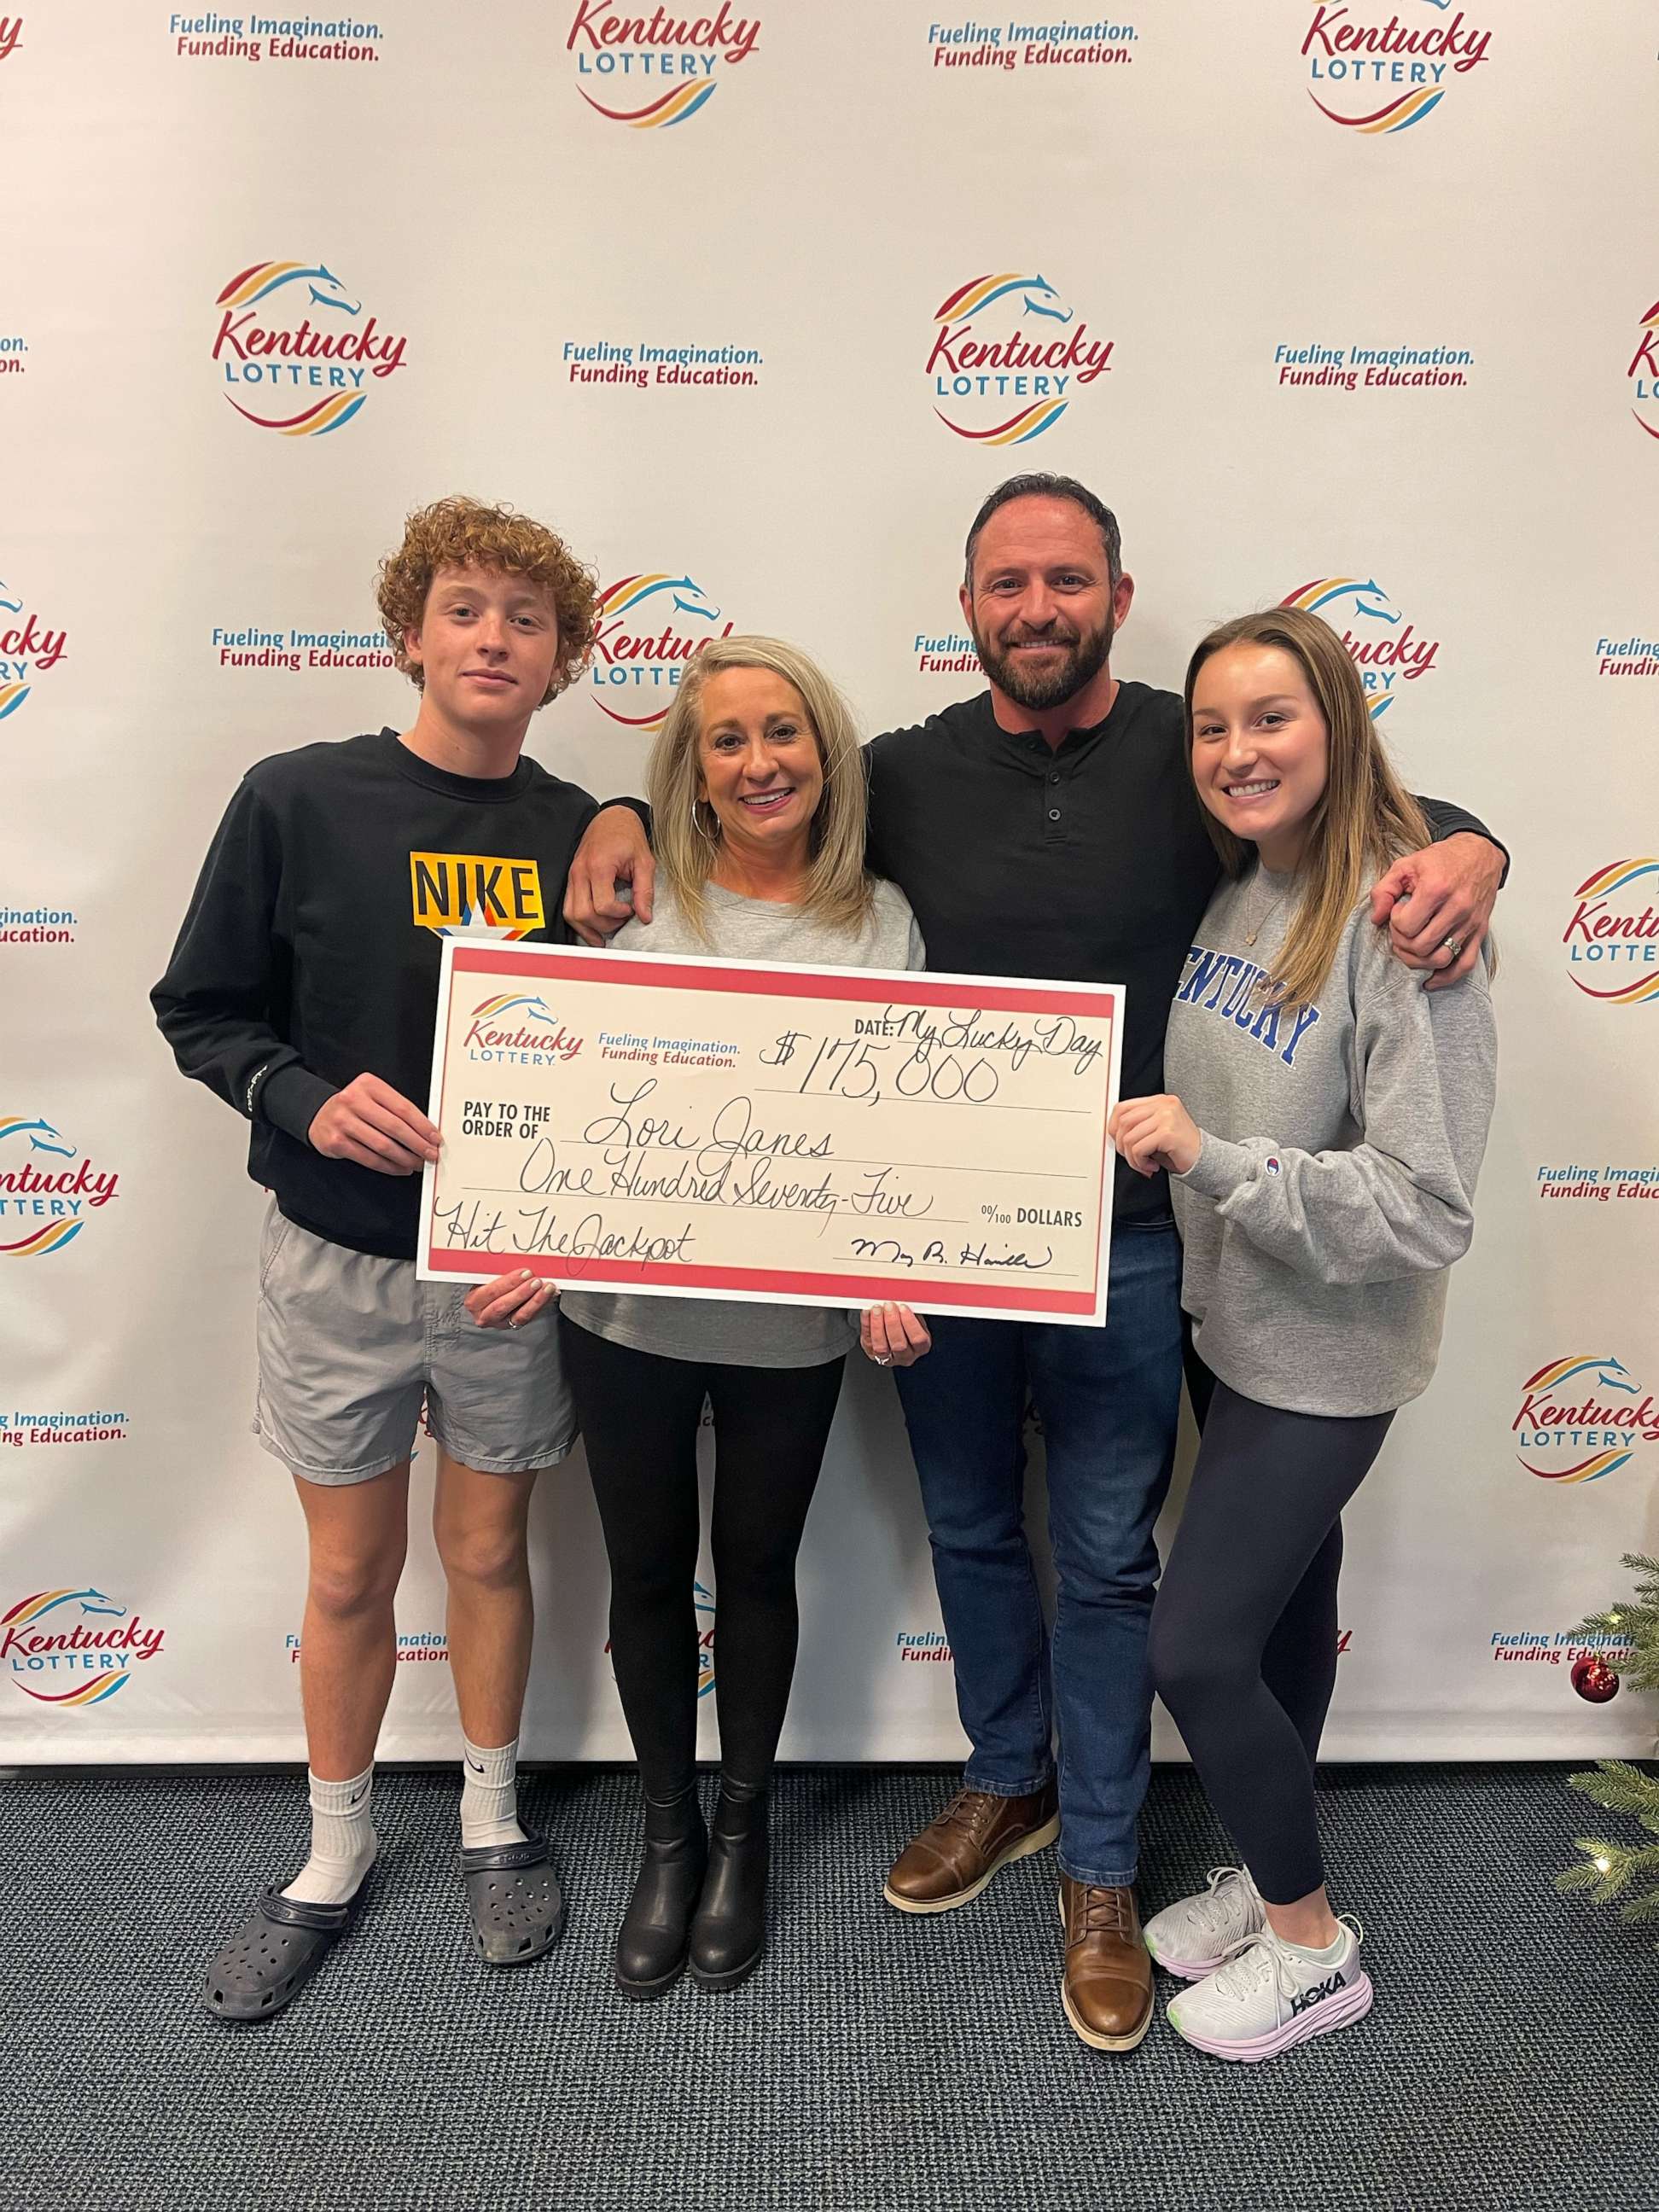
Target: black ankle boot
x=651, y=1942
x=729, y=1932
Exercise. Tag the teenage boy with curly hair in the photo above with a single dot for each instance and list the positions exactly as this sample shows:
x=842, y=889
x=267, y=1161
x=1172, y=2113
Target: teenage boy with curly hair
x=303, y=990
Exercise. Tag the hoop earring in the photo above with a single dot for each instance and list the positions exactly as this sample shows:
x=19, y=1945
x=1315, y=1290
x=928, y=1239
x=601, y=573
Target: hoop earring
x=708, y=836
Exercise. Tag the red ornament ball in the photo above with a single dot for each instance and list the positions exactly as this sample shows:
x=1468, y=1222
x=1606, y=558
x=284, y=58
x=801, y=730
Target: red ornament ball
x=1594, y=1680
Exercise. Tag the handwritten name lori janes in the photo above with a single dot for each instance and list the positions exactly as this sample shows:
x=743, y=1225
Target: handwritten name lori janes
x=736, y=1162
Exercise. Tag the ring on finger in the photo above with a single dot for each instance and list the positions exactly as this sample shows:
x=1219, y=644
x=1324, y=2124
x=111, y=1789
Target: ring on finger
x=883, y=1360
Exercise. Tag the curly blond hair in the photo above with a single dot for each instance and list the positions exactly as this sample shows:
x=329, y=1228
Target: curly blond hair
x=465, y=533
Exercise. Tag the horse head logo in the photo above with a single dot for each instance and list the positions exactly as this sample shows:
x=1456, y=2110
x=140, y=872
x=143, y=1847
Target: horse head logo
x=683, y=595
x=48, y=1601
x=322, y=286
x=98, y=1601
x=1614, y=1375
x=324, y=290
x=1365, y=601
x=1040, y=298
x=1035, y=295
x=522, y=1005
x=526, y=1007
x=1371, y=601
x=690, y=598
x=42, y=1137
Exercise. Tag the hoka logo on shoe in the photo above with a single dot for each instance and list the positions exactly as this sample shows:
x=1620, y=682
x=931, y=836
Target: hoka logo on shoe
x=1319, y=1992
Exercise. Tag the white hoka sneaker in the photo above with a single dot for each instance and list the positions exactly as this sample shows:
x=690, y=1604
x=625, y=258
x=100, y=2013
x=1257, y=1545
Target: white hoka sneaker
x=1268, y=1997
x=1194, y=1937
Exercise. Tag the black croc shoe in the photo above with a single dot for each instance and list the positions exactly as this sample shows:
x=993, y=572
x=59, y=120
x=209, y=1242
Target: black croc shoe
x=274, y=1953
x=517, y=1908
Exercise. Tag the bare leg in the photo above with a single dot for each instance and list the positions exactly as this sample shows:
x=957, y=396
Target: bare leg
x=479, y=1521
x=359, y=1534
x=1309, y=1921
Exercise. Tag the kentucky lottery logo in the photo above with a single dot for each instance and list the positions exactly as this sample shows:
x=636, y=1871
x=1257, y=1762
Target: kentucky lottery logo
x=1377, y=72
x=1010, y=342
x=1643, y=373
x=29, y=649
x=659, y=69
x=296, y=345
x=48, y=1187
x=1581, y=1419
x=648, y=628
x=1612, y=937
x=1381, y=641
x=521, y=1027
x=73, y=1647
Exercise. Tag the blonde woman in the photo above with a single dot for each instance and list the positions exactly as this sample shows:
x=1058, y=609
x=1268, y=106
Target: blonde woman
x=757, y=798
x=1323, y=1134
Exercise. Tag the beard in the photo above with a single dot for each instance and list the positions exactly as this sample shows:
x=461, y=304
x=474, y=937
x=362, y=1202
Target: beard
x=1079, y=657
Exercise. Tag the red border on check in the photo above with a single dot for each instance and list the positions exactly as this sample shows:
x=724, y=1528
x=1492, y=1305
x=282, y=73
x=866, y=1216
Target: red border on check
x=921, y=989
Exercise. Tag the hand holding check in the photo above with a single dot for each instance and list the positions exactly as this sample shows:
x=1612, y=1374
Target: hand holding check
x=1155, y=1133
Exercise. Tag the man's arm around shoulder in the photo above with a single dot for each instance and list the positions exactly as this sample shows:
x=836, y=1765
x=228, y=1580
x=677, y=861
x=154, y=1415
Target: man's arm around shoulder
x=1437, y=903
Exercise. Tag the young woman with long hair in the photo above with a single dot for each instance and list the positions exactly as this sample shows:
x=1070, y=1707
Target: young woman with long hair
x=1323, y=1131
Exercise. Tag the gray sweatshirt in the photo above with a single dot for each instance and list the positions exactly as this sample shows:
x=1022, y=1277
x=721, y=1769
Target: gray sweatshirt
x=1341, y=1142
x=737, y=1332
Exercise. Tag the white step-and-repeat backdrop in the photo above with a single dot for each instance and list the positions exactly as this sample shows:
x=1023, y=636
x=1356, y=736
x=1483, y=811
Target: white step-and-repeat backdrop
x=1334, y=300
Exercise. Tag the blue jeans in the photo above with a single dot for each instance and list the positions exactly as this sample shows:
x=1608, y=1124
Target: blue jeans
x=1108, y=1400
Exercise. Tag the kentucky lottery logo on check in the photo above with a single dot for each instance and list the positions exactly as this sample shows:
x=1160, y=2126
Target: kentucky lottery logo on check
x=818, y=1136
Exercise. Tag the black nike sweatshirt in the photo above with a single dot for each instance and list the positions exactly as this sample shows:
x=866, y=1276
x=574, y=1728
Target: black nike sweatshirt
x=310, y=952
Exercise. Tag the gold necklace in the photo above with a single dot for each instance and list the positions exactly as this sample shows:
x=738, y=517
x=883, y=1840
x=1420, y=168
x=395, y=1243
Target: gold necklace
x=1252, y=936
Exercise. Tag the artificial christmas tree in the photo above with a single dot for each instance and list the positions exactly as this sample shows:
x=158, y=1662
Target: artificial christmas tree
x=1611, y=1869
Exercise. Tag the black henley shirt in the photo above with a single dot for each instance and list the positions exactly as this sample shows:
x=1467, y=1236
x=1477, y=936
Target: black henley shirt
x=1085, y=862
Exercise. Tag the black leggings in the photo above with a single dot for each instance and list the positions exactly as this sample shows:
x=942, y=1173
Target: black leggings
x=638, y=1415
x=1244, y=1631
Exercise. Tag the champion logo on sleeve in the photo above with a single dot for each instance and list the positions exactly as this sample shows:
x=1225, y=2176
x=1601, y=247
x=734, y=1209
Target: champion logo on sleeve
x=1271, y=1163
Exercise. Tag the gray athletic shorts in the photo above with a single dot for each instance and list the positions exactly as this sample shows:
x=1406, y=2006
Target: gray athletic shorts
x=349, y=1346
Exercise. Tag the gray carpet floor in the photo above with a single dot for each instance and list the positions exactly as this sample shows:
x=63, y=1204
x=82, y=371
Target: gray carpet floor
x=874, y=2063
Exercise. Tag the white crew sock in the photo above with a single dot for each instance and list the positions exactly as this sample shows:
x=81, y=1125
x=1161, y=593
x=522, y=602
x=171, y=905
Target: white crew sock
x=343, y=1840
x=1328, y=1955
x=490, y=1795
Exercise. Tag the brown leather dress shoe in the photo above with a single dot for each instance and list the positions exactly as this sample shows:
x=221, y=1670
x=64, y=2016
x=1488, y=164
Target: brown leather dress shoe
x=954, y=1857
x=1108, y=1987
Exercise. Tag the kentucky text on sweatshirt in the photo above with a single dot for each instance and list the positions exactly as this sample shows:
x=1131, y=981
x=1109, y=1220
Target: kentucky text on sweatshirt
x=1336, y=1184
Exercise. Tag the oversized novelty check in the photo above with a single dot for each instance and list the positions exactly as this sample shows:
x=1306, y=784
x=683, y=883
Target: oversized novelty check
x=822, y=1136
